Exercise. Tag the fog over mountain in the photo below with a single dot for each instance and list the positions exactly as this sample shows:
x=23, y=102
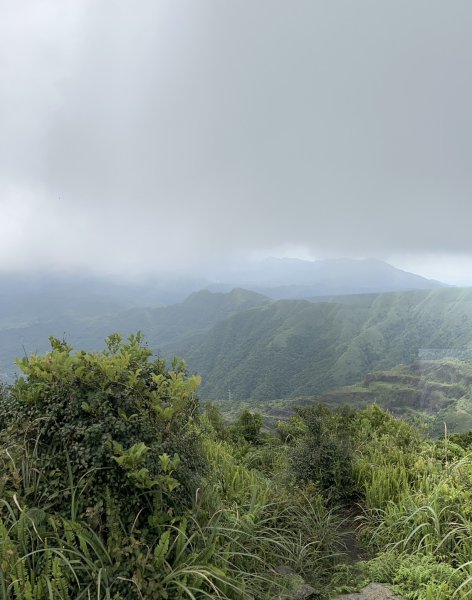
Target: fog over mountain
x=174, y=135
x=26, y=299
x=295, y=278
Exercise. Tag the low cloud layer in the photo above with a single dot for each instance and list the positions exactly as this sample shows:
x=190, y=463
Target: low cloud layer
x=169, y=134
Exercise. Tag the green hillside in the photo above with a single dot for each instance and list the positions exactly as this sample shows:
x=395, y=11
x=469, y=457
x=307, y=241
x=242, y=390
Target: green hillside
x=247, y=347
x=440, y=390
x=295, y=348
x=437, y=392
x=162, y=326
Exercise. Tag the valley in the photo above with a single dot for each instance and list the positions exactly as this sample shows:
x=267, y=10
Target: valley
x=250, y=348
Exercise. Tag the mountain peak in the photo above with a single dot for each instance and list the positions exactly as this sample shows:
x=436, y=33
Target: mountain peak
x=297, y=278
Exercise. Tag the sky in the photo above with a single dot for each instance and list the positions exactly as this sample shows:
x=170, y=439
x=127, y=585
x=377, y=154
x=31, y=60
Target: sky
x=171, y=134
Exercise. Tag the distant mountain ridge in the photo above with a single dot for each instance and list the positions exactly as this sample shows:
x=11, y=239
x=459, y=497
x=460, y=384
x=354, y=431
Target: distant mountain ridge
x=27, y=298
x=286, y=278
x=244, y=343
x=38, y=297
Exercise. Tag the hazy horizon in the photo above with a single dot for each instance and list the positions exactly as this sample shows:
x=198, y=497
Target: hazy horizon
x=222, y=271
x=183, y=136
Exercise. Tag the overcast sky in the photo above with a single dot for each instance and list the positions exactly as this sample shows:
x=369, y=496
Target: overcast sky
x=164, y=133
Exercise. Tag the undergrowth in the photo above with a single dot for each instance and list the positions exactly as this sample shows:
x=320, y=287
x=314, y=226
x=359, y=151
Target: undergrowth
x=114, y=485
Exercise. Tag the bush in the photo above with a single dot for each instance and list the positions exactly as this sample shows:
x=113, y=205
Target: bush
x=248, y=426
x=415, y=577
x=113, y=427
x=324, y=454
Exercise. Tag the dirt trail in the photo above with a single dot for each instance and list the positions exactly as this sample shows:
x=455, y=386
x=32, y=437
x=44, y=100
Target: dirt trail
x=354, y=553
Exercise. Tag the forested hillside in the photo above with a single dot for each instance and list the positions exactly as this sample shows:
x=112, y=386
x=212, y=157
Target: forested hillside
x=438, y=392
x=435, y=393
x=162, y=326
x=246, y=346
x=299, y=348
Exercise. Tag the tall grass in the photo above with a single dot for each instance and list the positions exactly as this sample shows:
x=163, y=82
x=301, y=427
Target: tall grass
x=240, y=530
x=265, y=526
x=420, y=511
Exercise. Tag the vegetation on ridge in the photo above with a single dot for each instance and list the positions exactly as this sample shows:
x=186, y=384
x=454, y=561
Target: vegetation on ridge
x=297, y=348
x=115, y=486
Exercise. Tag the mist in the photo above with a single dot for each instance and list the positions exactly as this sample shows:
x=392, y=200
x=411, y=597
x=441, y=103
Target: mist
x=181, y=136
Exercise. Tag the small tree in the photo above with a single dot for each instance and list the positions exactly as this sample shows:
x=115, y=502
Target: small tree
x=112, y=430
x=248, y=426
x=216, y=421
x=325, y=453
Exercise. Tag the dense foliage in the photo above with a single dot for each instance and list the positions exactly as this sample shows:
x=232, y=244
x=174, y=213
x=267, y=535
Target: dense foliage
x=123, y=421
x=115, y=486
x=102, y=452
x=413, y=499
x=324, y=453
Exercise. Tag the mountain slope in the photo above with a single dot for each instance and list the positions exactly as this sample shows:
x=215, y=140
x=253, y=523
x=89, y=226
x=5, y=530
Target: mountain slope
x=439, y=392
x=438, y=389
x=293, y=348
x=249, y=347
x=163, y=326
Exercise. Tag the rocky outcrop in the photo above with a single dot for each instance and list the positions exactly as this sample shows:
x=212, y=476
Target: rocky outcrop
x=374, y=591
x=305, y=592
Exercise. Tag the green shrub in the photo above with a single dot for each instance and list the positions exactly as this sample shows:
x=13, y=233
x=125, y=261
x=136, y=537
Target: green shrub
x=113, y=428
x=324, y=454
x=105, y=442
x=248, y=426
x=291, y=430
x=415, y=577
x=213, y=422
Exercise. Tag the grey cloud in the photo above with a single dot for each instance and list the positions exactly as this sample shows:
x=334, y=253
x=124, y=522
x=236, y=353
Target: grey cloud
x=172, y=133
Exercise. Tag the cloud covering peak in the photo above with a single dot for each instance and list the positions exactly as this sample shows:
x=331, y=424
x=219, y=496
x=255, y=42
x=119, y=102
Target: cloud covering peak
x=168, y=134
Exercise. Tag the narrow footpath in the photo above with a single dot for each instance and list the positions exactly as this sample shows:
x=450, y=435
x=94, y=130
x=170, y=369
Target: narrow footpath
x=374, y=591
